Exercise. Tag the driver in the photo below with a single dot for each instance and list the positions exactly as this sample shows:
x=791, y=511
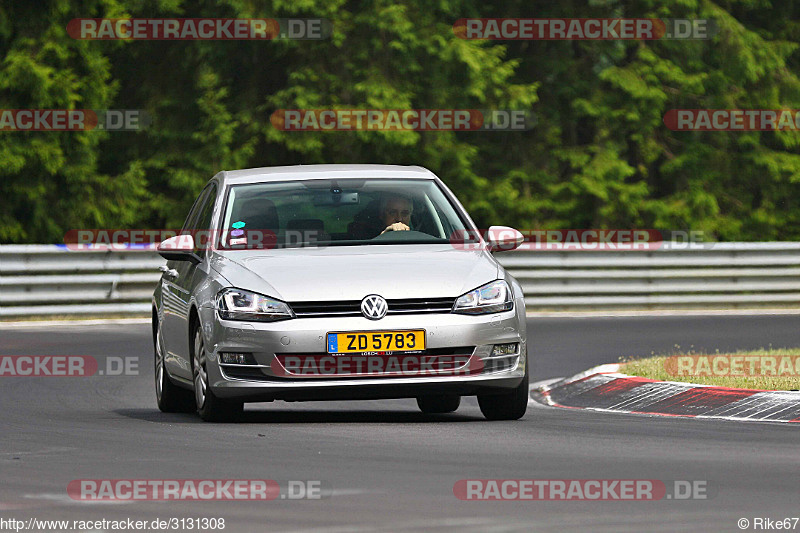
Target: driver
x=395, y=212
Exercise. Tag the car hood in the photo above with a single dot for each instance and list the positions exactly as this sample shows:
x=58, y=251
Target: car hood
x=352, y=272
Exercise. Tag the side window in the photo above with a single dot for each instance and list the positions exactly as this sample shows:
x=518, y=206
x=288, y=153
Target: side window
x=207, y=208
x=194, y=213
x=203, y=237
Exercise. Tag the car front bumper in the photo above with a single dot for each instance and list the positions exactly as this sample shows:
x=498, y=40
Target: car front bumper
x=308, y=336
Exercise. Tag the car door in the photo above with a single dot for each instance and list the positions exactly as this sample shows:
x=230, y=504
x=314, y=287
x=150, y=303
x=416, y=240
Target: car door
x=176, y=291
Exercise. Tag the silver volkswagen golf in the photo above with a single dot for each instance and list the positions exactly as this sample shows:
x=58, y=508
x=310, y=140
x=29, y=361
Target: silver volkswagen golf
x=337, y=282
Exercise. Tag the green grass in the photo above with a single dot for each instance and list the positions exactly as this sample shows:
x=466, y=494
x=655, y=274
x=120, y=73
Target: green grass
x=655, y=368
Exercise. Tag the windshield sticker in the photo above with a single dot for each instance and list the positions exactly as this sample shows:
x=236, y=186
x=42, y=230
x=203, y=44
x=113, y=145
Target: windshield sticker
x=237, y=233
x=243, y=240
x=238, y=225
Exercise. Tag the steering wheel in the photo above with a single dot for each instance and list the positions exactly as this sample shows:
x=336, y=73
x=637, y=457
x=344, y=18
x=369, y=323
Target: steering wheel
x=400, y=236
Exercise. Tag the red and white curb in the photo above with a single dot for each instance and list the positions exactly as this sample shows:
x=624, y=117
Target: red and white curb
x=604, y=389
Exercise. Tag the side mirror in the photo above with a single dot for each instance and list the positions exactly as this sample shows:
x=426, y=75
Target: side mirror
x=179, y=248
x=503, y=238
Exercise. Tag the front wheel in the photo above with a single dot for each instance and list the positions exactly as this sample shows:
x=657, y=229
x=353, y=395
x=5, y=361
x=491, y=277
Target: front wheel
x=169, y=397
x=209, y=407
x=440, y=403
x=507, y=406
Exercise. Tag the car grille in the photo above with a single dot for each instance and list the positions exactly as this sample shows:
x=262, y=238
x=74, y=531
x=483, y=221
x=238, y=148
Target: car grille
x=353, y=307
x=443, y=358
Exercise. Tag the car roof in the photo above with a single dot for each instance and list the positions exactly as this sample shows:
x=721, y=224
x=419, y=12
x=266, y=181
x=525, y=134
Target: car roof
x=311, y=172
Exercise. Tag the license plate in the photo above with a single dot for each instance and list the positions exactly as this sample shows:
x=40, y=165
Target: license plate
x=376, y=341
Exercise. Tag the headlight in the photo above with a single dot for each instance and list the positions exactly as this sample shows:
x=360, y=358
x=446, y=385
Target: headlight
x=236, y=304
x=490, y=298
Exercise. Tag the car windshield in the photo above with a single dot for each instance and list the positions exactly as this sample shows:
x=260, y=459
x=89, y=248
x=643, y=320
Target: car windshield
x=342, y=212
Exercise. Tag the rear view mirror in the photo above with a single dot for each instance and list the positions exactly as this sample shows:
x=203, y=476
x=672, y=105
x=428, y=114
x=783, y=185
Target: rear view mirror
x=179, y=248
x=335, y=197
x=503, y=238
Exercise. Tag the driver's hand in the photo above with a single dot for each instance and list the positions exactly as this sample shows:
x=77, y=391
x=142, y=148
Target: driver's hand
x=397, y=226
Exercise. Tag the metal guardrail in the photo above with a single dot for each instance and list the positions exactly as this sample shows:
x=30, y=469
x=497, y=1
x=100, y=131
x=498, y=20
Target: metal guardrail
x=719, y=276
x=47, y=280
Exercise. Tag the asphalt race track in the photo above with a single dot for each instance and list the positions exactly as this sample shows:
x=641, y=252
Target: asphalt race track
x=391, y=468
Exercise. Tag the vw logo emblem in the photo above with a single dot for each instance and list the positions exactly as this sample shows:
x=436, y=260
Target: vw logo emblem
x=374, y=307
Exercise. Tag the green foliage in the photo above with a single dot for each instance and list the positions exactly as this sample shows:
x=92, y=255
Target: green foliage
x=600, y=155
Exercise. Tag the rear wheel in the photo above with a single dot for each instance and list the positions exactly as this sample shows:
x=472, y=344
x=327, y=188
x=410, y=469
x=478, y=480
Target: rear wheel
x=440, y=403
x=507, y=406
x=209, y=407
x=170, y=397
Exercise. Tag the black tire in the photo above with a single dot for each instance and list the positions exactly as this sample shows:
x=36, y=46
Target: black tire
x=507, y=406
x=440, y=403
x=169, y=397
x=209, y=407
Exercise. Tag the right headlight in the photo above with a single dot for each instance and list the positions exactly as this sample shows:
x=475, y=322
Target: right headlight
x=238, y=304
x=493, y=297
